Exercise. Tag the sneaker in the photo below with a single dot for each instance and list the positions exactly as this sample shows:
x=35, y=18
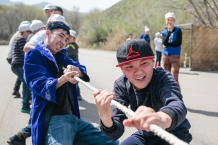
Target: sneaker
x=15, y=140
x=25, y=110
x=17, y=95
x=79, y=97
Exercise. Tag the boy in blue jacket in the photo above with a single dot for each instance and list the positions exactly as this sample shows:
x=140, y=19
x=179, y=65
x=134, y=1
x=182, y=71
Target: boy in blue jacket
x=152, y=93
x=55, y=112
x=172, y=41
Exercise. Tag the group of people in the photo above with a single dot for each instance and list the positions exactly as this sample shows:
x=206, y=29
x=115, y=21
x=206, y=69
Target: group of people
x=152, y=93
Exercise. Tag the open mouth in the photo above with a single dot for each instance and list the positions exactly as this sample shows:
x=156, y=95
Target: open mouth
x=59, y=46
x=140, y=78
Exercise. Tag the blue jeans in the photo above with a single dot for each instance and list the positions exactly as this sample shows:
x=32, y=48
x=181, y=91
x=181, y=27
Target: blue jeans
x=17, y=85
x=26, y=92
x=69, y=130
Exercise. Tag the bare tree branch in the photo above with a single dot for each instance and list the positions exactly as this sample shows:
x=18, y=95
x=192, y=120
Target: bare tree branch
x=207, y=12
x=185, y=9
x=214, y=11
x=215, y=4
x=196, y=10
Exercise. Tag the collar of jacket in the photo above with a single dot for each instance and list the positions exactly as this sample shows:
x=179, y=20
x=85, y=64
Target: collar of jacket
x=42, y=48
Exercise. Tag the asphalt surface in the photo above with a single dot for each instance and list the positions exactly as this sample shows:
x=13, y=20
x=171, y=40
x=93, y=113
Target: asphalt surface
x=199, y=89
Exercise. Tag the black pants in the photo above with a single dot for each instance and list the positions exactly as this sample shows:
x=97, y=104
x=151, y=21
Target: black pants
x=158, y=59
x=18, y=81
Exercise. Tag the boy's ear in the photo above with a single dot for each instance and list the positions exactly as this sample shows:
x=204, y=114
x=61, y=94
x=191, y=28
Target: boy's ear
x=47, y=32
x=121, y=69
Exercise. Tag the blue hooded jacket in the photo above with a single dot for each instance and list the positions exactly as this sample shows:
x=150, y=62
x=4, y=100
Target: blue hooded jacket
x=41, y=75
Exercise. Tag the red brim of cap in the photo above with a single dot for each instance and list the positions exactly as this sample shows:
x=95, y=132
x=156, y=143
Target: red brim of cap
x=148, y=57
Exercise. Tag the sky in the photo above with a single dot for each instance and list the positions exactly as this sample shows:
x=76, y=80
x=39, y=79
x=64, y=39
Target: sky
x=83, y=5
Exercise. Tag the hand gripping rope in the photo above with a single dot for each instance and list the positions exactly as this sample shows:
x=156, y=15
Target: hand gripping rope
x=173, y=140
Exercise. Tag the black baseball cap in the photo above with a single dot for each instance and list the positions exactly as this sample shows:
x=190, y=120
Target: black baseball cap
x=132, y=50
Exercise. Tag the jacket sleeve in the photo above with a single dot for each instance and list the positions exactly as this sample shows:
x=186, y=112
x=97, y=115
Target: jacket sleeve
x=37, y=77
x=171, y=97
x=117, y=130
x=174, y=44
x=81, y=67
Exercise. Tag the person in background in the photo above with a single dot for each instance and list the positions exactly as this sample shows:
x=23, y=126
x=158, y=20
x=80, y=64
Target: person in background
x=172, y=41
x=130, y=36
x=57, y=10
x=72, y=49
x=146, y=35
x=9, y=59
x=20, y=137
x=18, y=61
x=48, y=10
x=158, y=47
x=36, y=26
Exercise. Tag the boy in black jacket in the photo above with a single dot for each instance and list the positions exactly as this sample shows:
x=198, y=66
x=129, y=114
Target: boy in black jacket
x=72, y=49
x=152, y=93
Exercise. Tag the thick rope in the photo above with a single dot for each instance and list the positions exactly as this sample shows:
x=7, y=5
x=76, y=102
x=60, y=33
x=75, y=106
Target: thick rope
x=173, y=140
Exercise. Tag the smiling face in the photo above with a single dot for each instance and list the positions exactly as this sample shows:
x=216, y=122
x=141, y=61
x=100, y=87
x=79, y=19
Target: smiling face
x=170, y=21
x=139, y=72
x=56, y=40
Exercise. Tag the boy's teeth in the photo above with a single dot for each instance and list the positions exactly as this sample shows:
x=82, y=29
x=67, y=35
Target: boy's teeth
x=140, y=78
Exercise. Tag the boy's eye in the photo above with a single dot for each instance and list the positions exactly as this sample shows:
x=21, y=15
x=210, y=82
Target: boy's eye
x=144, y=63
x=128, y=67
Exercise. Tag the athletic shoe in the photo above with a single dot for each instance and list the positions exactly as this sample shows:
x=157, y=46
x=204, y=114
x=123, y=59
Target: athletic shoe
x=25, y=110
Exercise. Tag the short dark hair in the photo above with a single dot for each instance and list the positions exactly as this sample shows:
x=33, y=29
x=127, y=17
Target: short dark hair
x=57, y=8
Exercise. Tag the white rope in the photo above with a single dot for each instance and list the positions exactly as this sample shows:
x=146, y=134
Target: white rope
x=173, y=140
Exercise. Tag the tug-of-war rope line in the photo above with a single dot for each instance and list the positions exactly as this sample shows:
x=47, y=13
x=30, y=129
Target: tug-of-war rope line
x=173, y=140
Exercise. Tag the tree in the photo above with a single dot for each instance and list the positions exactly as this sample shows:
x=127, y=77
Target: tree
x=74, y=18
x=205, y=12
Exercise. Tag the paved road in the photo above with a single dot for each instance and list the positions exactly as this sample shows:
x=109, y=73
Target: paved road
x=199, y=89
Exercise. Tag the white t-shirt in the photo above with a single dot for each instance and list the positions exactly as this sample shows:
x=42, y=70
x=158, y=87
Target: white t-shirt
x=158, y=44
x=38, y=37
x=11, y=45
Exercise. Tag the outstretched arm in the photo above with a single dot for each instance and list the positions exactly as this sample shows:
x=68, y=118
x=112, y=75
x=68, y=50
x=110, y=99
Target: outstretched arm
x=145, y=116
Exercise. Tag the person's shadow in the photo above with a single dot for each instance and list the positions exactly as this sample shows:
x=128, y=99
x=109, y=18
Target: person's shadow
x=207, y=113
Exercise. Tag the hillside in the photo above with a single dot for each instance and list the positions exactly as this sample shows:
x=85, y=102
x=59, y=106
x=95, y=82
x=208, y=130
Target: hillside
x=114, y=24
x=38, y=5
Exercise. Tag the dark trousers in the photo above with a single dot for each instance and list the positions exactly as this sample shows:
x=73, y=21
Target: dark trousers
x=26, y=92
x=26, y=131
x=158, y=59
x=17, y=85
x=18, y=82
x=139, y=139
